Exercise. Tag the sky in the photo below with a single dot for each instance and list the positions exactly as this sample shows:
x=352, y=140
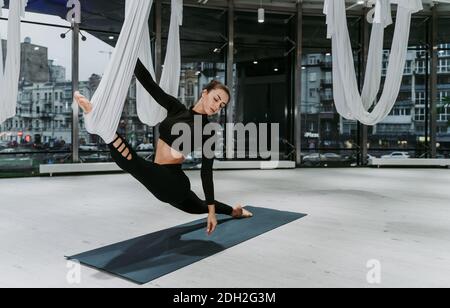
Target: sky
x=91, y=60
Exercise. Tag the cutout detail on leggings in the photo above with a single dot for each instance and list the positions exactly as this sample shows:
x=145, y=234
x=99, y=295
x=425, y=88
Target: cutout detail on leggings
x=122, y=148
x=125, y=152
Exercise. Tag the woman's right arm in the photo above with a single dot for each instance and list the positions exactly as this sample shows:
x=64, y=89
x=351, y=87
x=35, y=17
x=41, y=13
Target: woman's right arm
x=167, y=101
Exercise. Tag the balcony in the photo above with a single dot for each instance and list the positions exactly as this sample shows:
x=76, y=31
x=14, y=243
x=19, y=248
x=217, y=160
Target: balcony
x=326, y=64
x=326, y=83
x=26, y=114
x=45, y=114
x=398, y=119
x=327, y=112
x=326, y=97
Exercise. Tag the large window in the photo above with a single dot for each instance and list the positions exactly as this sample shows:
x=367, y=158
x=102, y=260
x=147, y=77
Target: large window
x=443, y=103
x=327, y=138
x=407, y=126
x=40, y=132
x=95, y=54
x=262, y=81
x=263, y=66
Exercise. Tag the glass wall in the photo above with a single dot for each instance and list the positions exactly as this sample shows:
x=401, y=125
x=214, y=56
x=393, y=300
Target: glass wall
x=95, y=53
x=327, y=138
x=263, y=61
x=263, y=85
x=404, y=133
x=41, y=130
x=443, y=120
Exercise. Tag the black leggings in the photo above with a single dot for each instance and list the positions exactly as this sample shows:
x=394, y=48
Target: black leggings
x=168, y=183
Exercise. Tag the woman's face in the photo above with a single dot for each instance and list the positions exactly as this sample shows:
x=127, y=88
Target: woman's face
x=214, y=101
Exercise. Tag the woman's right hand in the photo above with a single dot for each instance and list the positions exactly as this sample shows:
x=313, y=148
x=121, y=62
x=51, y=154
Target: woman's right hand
x=212, y=223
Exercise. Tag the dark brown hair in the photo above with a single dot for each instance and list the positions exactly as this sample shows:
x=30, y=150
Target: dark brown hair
x=217, y=85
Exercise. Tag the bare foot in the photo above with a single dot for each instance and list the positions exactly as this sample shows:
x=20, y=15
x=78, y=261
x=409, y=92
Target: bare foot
x=239, y=212
x=83, y=102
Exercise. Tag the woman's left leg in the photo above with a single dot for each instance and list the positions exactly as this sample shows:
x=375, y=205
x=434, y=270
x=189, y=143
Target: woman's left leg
x=194, y=205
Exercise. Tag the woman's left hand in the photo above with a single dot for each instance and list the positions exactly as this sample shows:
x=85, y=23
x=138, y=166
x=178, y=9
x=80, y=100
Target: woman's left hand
x=212, y=223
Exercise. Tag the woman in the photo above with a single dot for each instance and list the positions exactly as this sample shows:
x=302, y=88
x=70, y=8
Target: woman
x=164, y=177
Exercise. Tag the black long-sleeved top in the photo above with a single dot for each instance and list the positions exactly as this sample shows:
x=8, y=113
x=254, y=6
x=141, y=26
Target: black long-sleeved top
x=178, y=113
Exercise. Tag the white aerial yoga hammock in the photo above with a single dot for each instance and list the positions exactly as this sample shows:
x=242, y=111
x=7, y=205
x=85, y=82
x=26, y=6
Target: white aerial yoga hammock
x=10, y=72
x=349, y=103
x=134, y=41
x=150, y=112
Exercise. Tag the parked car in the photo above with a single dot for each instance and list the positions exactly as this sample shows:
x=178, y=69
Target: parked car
x=60, y=158
x=8, y=150
x=311, y=159
x=146, y=151
x=397, y=155
x=332, y=157
x=96, y=157
x=89, y=147
x=192, y=161
x=327, y=159
x=145, y=147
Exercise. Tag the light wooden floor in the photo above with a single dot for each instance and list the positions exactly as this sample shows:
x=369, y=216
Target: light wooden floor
x=399, y=217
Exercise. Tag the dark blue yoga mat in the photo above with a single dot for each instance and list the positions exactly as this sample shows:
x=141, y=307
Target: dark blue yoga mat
x=148, y=257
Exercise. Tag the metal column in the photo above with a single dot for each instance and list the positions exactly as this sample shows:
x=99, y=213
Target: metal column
x=158, y=58
x=230, y=111
x=75, y=87
x=298, y=84
x=433, y=82
x=230, y=60
x=365, y=53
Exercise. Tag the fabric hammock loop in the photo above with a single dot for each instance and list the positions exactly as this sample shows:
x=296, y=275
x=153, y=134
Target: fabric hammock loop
x=349, y=103
x=10, y=71
x=133, y=43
